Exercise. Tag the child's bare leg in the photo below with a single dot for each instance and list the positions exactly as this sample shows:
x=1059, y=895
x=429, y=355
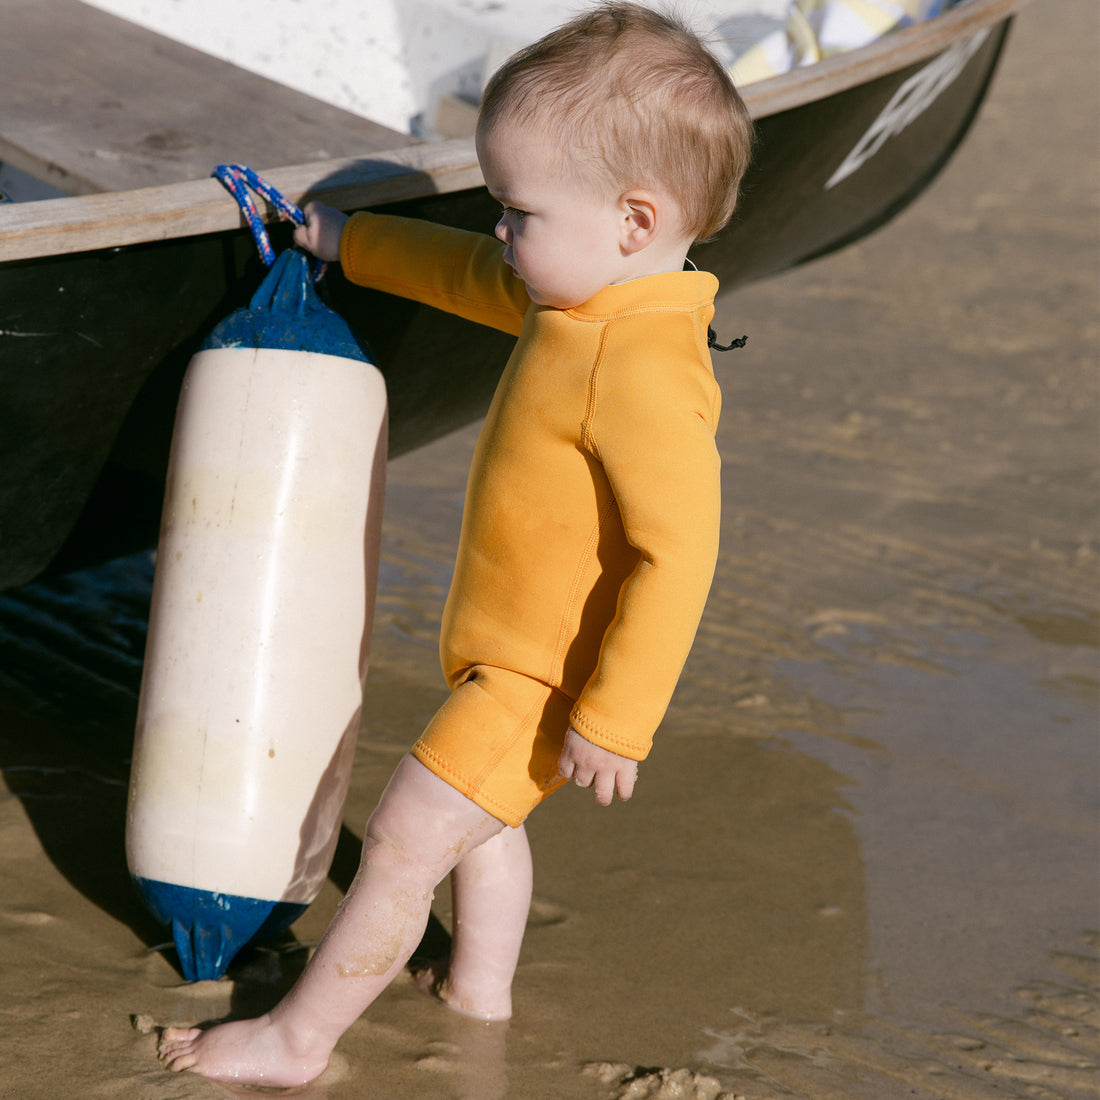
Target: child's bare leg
x=421, y=828
x=491, y=895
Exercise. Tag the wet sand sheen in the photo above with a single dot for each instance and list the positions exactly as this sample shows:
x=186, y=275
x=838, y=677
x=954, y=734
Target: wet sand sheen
x=861, y=862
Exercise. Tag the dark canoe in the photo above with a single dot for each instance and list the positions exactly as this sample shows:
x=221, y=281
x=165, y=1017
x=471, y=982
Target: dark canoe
x=104, y=298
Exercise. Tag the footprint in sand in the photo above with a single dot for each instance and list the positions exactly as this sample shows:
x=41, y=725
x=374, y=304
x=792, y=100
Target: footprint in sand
x=29, y=917
x=545, y=913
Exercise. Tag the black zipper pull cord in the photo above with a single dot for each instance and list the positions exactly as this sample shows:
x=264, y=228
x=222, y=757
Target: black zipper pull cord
x=712, y=342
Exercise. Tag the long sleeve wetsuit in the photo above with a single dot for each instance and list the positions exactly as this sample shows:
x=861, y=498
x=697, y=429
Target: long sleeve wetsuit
x=590, y=529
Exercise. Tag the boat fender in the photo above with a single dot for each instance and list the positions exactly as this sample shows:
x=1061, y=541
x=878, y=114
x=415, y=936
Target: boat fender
x=259, y=627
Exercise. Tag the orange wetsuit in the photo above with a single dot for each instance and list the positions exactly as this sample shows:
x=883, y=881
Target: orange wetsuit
x=590, y=529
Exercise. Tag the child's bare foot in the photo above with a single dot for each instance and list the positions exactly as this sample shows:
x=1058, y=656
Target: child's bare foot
x=248, y=1052
x=434, y=978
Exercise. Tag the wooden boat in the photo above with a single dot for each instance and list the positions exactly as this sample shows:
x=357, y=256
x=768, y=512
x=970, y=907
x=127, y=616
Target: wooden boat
x=104, y=297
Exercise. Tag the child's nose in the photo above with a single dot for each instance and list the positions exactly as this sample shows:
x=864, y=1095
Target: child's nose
x=501, y=230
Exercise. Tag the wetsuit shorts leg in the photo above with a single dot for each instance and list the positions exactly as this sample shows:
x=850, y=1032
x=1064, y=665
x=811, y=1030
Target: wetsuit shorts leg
x=497, y=740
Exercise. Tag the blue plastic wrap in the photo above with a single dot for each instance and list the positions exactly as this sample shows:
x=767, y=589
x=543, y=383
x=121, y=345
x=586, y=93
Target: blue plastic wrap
x=287, y=312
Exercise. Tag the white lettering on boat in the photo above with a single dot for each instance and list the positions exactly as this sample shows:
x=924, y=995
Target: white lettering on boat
x=909, y=102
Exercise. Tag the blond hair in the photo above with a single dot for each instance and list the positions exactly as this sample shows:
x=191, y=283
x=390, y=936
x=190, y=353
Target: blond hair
x=634, y=94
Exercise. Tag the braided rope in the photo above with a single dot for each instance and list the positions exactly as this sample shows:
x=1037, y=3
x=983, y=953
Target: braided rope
x=237, y=179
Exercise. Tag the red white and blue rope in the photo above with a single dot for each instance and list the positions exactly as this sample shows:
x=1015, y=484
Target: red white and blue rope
x=237, y=179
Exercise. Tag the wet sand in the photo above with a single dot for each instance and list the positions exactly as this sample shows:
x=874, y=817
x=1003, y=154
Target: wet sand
x=862, y=861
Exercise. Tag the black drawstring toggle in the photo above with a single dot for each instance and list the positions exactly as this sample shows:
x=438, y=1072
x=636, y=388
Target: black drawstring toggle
x=712, y=342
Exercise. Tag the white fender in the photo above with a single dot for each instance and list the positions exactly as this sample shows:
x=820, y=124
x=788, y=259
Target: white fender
x=259, y=635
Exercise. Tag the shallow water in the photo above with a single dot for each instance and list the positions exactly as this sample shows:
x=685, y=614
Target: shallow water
x=862, y=860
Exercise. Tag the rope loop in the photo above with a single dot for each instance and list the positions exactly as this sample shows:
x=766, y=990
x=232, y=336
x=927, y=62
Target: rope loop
x=712, y=342
x=237, y=179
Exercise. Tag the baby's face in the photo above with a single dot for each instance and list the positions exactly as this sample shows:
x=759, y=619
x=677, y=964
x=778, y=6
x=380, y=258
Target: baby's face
x=563, y=238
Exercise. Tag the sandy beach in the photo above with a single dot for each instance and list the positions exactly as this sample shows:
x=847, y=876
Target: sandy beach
x=863, y=860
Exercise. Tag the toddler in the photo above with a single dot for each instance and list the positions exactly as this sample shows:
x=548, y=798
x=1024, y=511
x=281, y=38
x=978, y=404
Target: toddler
x=590, y=528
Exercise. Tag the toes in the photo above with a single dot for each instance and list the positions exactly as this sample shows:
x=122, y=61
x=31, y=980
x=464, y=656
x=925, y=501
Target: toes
x=431, y=977
x=175, y=1042
x=179, y=1034
x=177, y=1062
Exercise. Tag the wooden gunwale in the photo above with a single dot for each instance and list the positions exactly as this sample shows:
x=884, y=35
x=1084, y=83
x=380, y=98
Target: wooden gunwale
x=67, y=225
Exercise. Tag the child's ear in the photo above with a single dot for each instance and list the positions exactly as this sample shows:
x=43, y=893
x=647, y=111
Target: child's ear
x=641, y=220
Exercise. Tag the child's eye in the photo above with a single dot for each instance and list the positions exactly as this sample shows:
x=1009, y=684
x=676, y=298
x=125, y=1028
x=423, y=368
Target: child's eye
x=519, y=215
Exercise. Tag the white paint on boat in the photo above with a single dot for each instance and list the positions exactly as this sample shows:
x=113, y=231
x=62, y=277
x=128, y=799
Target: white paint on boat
x=393, y=60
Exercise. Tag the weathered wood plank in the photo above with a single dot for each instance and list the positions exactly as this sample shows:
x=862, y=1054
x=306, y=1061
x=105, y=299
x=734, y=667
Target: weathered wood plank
x=92, y=103
x=58, y=226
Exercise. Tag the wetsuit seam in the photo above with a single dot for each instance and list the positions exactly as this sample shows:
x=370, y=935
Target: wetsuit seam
x=588, y=435
x=601, y=732
x=473, y=791
x=636, y=311
x=504, y=749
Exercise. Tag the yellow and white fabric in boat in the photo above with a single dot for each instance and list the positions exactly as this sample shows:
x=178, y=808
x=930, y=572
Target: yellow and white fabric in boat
x=817, y=29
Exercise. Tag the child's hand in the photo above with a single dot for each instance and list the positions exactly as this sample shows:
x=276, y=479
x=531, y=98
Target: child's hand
x=322, y=231
x=590, y=766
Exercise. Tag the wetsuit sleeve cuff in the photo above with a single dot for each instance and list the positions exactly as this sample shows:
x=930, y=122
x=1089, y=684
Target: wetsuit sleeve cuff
x=598, y=734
